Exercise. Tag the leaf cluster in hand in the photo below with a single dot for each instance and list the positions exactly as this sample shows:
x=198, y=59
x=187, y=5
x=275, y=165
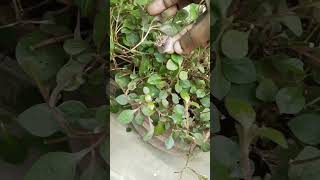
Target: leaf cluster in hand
x=172, y=92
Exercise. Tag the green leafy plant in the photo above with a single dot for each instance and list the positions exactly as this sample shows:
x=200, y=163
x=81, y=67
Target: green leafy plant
x=265, y=85
x=167, y=94
x=66, y=63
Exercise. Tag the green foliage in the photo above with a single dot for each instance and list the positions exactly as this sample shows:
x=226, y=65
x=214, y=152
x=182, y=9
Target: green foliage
x=126, y=116
x=233, y=67
x=266, y=89
x=241, y=111
x=41, y=64
x=305, y=128
x=63, y=55
x=169, y=142
x=168, y=94
x=290, y=100
x=225, y=151
x=273, y=135
x=55, y=165
x=234, y=44
x=308, y=169
x=39, y=120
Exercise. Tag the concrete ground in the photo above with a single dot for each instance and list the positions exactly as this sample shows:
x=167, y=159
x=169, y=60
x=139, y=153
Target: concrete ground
x=133, y=159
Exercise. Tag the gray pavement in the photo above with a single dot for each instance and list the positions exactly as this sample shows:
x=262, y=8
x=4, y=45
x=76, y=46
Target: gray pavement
x=133, y=159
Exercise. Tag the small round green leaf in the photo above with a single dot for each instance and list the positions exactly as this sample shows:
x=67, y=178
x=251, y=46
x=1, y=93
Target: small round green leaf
x=139, y=119
x=200, y=93
x=159, y=57
x=175, y=98
x=73, y=110
x=306, y=128
x=70, y=76
x=267, y=90
x=273, y=135
x=241, y=111
x=147, y=110
x=185, y=96
x=171, y=65
x=126, y=116
x=154, y=79
x=178, y=87
x=293, y=22
x=53, y=166
x=183, y=75
x=165, y=102
x=146, y=90
x=225, y=151
x=290, y=100
x=177, y=59
x=307, y=170
x=163, y=94
x=205, y=101
x=221, y=86
x=149, y=135
x=41, y=64
x=240, y=71
x=122, y=99
x=39, y=120
x=205, y=115
x=159, y=129
x=75, y=46
x=234, y=44
x=148, y=98
x=169, y=143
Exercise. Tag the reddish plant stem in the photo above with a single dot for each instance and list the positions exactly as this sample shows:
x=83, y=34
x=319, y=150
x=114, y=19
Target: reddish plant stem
x=51, y=41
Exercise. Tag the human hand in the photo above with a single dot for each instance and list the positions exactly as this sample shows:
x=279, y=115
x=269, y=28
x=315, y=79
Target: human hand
x=193, y=36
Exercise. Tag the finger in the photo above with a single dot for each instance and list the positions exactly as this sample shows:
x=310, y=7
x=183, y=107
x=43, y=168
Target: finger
x=169, y=45
x=183, y=3
x=158, y=6
x=170, y=12
x=193, y=37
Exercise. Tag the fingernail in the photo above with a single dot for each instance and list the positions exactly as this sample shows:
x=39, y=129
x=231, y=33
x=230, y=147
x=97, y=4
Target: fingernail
x=177, y=47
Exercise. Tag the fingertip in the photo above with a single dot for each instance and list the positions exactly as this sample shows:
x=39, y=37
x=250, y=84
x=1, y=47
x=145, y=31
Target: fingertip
x=170, y=12
x=150, y=10
x=177, y=47
x=156, y=7
x=169, y=46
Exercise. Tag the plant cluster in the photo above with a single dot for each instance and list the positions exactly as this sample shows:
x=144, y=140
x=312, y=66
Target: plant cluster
x=62, y=50
x=170, y=93
x=266, y=89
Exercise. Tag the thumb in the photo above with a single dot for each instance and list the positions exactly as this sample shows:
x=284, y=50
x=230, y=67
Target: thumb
x=195, y=36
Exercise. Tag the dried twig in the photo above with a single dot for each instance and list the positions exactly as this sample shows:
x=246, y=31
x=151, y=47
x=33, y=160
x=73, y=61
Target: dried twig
x=191, y=149
x=37, y=5
x=51, y=41
x=25, y=22
x=296, y=162
x=17, y=9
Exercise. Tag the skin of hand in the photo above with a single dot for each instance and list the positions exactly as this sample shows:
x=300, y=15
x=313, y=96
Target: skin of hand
x=192, y=36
